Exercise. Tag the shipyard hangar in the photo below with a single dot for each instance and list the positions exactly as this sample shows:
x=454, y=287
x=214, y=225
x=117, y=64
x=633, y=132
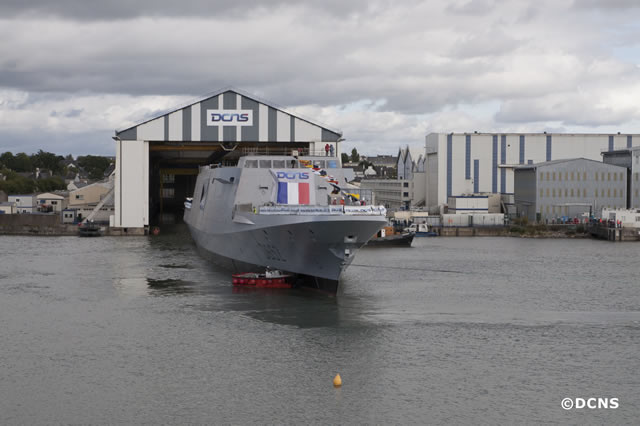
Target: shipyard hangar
x=157, y=160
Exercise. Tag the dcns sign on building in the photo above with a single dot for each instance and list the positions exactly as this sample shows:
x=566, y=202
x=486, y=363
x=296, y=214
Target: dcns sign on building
x=229, y=117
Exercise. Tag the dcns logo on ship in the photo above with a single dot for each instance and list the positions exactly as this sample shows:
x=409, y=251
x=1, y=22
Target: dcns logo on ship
x=292, y=175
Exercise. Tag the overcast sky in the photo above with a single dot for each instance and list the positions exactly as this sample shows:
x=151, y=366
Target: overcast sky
x=386, y=73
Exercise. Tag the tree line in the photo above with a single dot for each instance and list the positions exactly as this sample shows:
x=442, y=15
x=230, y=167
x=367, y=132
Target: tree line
x=60, y=167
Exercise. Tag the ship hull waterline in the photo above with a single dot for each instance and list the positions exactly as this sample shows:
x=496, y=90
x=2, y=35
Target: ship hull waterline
x=317, y=249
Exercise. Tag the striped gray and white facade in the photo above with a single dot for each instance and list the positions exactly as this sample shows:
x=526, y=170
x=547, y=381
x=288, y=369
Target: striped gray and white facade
x=467, y=163
x=191, y=124
x=194, y=124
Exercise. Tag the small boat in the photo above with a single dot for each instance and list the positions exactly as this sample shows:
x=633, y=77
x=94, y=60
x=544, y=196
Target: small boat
x=388, y=237
x=89, y=229
x=422, y=230
x=269, y=279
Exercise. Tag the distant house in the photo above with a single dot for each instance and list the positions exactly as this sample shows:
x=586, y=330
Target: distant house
x=85, y=199
x=3, y=197
x=69, y=215
x=7, y=208
x=88, y=194
x=43, y=173
x=24, y=203
x=76, y=184
x=51, y=202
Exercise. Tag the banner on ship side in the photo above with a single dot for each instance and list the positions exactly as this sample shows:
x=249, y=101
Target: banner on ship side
x=294, y=187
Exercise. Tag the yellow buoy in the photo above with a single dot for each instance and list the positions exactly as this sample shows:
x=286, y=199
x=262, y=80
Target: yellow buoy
x=337, y=381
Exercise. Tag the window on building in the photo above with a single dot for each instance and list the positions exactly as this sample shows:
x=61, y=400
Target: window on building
x=596, y=193
x=547, y=209
x=405, y=194
x=541, y=192
x=169, y=192
x=621, y=177
x=571, y=175
x=602, y=176
x=566, y=210
x=584, y=192
x=405, y=184
x=615, y=192
x=554, y=176
x=637, y=176
x=168, y=178
x=566, y=192
x=547, y=192
x=596, y=174
x=584, y=176
x=547, y=175
x=609, y=176
x=560, y=176
x=553, y=191
x=79, y=197
x=566, y=175
x=615, y=176
x=602, y=192
x=54, y=202
x=572, y=192
x=541, y=177
x=609, y=192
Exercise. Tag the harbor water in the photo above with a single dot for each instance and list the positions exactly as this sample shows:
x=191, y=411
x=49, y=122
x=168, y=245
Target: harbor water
x=449, y=331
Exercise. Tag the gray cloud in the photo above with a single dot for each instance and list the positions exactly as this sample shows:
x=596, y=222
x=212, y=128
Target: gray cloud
x=127, y=9
x=421, y=66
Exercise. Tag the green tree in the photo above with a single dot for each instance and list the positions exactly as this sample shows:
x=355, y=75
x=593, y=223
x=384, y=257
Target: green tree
x=47, y=160
x=51, y=184
x=345, y=157
x=16, y=184
x=6, y=160
x=22, y=163
x=94, y=165
x=355, y=157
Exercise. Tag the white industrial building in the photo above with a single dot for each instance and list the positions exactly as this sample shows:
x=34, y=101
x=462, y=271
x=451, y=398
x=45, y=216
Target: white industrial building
x=157, y=160
x=469, y=163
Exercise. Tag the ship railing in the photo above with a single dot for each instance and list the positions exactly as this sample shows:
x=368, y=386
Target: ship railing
x=322, y=210
x=288, y=151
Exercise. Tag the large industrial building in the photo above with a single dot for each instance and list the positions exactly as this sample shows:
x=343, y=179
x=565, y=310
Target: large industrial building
x=573, y=188
x=157, y=160
x=468, y=163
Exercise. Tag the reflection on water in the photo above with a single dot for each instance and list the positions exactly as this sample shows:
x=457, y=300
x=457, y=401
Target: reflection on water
x=143, y=330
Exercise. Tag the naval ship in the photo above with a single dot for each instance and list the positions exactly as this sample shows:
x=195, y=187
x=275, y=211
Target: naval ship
x=281, y=212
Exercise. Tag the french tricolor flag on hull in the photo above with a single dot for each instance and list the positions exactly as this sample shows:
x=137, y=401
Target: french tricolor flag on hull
x=293, y=193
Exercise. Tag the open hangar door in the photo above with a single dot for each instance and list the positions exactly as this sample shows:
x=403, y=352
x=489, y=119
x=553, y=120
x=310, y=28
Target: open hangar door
x=157, y=160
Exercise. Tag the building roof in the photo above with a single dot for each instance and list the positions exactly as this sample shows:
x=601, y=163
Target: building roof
x=124, y=132
x=49, y=195
x=621, y=151
x=552, y=162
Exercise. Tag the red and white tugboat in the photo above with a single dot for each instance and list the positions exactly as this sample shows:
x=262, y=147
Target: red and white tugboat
x=268, y=279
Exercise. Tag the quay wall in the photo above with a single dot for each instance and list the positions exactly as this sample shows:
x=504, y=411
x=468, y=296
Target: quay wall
x=35, y=224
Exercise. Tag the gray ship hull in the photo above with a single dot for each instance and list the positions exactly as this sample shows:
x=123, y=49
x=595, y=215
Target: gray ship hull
x=317, y=248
